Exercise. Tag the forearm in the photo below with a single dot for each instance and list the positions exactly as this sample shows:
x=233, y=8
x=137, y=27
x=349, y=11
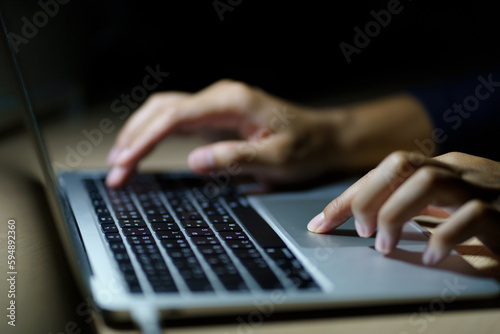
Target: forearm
x=362, y=134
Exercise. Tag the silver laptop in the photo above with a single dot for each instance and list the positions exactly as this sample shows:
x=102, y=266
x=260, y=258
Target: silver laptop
x=173, y=245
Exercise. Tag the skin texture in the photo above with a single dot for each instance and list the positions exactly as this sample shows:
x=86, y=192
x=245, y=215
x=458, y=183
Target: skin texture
x=274, y=140
x=462, y=187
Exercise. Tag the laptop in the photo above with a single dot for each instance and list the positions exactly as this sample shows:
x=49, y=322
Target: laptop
x=174, y=245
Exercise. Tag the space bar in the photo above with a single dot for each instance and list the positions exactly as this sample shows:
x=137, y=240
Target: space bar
x=257, y=227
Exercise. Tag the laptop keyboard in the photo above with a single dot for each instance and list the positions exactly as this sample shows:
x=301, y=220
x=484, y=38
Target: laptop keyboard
x=184, y=240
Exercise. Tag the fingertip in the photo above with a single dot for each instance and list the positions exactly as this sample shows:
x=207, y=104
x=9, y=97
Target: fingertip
x=316, y=224
x=433, y=255
x=116, y=176
x=361, y=229
x=383, y=243
x=201, y=160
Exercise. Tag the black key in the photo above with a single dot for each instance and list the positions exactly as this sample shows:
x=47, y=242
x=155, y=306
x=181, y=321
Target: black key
x=216, y=212
x=194, y=224
x=117, y=246
x=218, y=259
x=140, y=239
x=160, y=218
x=179, y=253
x=240, y=244
x=97, y=202
x=227, y=227
x=233, y=282
x=254, y=263
x=233, y=235
x=212, y=250
x=131, y=223
x=162, y=284
x=266, y=279
x=190, y=216
x=133, y=284
x=121, y=256
x=94, y=195
x=101, y=210
x=109, y=228
x=246, y=253
x=126, y=268
x=136, y=231
x=113, y=237
x=199, y=232
x=163, y=226
x=205, y=241
x=279, y=253
x=175, y=243
x=170, y=234
x=222, y=220
x=125, y=208
x=128, y=215
x=145, y=249
x=256, y=226
x=157, y=211
x=224, y=269
x=199, y=285
x=105, y=218
x=189, y=268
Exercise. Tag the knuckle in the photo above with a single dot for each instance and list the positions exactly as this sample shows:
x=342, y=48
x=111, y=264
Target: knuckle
x=155, y=98
x=360, y=206
x=398, y=157
x=231, y=86
x=479, y=208
x=399, y=164
x=452, y=157
x=235, y=92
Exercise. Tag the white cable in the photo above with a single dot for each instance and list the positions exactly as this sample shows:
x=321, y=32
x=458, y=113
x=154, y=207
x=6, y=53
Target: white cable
x=147, y=318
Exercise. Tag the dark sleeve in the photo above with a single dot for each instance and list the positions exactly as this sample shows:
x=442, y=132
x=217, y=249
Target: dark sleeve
x=465, y=115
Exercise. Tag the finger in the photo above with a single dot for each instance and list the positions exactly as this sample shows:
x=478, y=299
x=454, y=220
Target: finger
x=239, y=156
x=428, y=185
x=220, y=105
x=338, y=210
x=118, y=175
x=434, y=211
x=147, y=113
x=387, y=177
x=469, y=220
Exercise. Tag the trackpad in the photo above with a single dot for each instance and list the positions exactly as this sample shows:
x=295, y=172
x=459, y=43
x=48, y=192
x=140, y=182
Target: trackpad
x=293, y=214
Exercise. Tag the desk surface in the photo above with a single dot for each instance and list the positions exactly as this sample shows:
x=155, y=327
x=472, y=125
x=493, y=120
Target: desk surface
x=47, y=298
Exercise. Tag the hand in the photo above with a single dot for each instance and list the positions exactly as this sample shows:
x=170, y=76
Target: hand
x=464, y=188
x=278, y=141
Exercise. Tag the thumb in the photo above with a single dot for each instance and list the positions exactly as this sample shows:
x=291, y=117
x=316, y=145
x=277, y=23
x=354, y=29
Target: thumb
x=240, y=156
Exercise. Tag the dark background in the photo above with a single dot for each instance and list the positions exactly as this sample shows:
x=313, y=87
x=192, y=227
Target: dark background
x=93, y=51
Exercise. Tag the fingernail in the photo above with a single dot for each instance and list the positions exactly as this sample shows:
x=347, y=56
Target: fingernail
x=115, y=176
x=430, y=257
x=113, y=153
x=201, y=159
x=316, y=223
x=381, y=243
x=123, y=156
x=361, y=229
